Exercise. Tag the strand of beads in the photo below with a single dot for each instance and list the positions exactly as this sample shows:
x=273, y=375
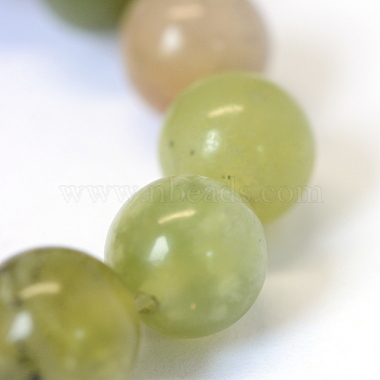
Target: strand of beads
x=189, y=248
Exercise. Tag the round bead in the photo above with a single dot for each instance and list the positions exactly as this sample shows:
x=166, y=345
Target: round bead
x=245, y=131
x=64, y=315
x=192, y=246
x=90, y=14
x=169, y=44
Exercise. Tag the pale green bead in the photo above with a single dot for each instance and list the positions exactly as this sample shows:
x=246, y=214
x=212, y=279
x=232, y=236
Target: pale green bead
x=90, y=14
x=241, y=129
x=64, y=316
x=195, y=249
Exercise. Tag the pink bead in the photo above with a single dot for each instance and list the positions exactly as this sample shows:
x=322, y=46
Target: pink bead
x=169, y=44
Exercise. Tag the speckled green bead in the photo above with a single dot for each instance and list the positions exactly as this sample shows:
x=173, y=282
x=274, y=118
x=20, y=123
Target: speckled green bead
x=90, y=14
x=241, y=129
x=192, y=247
x=64, y=316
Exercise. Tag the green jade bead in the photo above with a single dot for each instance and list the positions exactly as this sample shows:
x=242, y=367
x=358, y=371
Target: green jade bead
x=90, y=14
x=243, y=130
x=195, y=249
x=65, y=316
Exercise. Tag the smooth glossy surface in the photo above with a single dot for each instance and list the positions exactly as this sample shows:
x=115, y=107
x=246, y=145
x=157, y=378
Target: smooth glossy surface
x=195, y=248
x=64, y=316
x=169, y=44
x=90, y=14
x=243, y=130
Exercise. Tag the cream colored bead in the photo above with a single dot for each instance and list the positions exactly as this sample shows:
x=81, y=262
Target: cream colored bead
x=168, y=44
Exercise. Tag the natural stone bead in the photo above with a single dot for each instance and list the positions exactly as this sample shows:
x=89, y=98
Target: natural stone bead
x=90, y=14
x=168, y=44
x=64, y=316
x=195, y=248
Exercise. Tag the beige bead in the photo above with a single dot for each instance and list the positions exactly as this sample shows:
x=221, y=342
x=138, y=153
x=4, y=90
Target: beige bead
x=169, y=44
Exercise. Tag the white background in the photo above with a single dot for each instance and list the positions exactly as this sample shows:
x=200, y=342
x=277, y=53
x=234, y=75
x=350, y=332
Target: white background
x=69, y=117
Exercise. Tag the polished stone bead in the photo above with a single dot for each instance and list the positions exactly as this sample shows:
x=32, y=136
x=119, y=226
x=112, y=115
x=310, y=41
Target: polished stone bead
x=90, y=14
x=168, y=44
x=64, y=316
x=193, y=248
x=241, y=129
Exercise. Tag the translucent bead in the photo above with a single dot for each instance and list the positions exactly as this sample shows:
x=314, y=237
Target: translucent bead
x=90, y=14
x=191, y=250
x=169, y=44
x=66, y=316
x=245, y=131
